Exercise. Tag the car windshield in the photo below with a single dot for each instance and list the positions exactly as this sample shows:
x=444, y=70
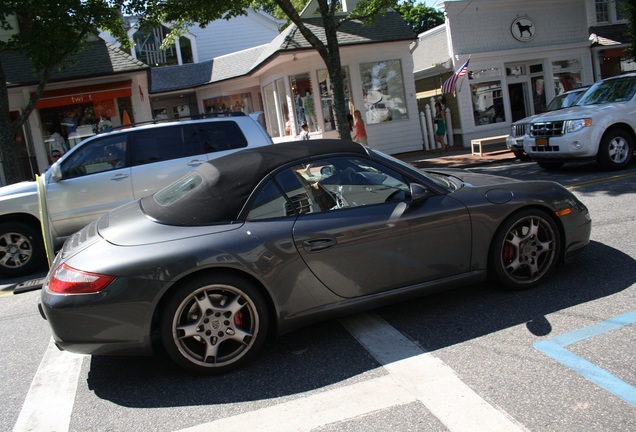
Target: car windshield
x=435, y=178
x=565, y=100
x=611, y=90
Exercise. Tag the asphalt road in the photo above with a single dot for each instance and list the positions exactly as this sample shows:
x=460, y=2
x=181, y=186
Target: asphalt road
x=561, y=357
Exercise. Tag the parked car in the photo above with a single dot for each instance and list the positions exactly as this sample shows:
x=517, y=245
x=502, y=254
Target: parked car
x=514, y=142
x=107, y=170
x=266, y=240
x=600, y=126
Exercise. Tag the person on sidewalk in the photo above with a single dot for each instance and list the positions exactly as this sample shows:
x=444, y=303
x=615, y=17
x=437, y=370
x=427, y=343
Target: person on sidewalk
x=440, y=123
x=360, y=134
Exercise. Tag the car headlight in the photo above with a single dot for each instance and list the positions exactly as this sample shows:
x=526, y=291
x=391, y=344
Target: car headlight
x=576, y=125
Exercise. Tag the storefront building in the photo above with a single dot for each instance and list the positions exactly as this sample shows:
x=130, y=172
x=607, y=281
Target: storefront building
x=531, y=52
x=288, y=81
x=105, y=87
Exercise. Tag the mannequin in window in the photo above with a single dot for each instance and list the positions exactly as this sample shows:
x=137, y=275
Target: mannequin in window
x=310, y=113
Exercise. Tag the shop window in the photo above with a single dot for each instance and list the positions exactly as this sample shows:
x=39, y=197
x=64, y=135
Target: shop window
x=383, y=91
x=236, y=102
x=283, y=107
x=567, y=75
x=488, y=104
x=485, y=73
x=304, y=105
x=279, y=122
x=326, y=101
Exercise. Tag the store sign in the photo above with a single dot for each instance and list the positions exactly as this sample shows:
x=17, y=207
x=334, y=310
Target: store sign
x=82, y=95
x=522, y=29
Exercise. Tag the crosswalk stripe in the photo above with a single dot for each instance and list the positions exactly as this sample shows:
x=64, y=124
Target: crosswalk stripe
x=49, y=402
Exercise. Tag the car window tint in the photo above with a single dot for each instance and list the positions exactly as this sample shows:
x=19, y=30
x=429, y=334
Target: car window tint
x=155, y=145
x=269, y=203
x=193, y=144
x=99, y=155
x=221, y=135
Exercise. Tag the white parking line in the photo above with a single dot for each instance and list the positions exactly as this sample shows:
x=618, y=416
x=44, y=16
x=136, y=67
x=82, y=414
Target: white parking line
x=413, y=376
x=49, y=402
x=428, y=378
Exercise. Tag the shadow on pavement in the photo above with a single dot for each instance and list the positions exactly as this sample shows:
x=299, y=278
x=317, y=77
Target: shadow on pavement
x=325, y=354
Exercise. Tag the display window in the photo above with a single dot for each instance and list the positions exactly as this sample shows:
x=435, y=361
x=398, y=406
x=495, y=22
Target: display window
x=488, y=105
x=66, y=125
x=304, y=103
x=236, y=102
x=567, y=75
x=278, y=120
x=383, y=91
x=326, y=99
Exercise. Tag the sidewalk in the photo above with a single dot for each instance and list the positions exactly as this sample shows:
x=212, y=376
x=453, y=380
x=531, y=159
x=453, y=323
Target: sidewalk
x=457, y=157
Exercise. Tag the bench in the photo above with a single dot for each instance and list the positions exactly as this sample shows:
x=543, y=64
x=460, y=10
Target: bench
x=477, y=145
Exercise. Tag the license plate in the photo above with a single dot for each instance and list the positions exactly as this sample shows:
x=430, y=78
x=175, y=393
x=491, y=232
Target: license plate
x=543, y=142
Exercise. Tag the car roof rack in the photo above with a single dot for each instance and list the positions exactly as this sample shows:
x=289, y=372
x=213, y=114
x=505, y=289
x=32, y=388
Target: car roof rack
x=176, y=119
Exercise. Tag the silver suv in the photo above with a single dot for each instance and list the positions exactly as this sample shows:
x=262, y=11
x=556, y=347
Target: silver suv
x=108, y=170
x=515, y=140
x=600, y=126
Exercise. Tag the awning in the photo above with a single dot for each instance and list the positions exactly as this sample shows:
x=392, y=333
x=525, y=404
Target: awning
x=86, y=94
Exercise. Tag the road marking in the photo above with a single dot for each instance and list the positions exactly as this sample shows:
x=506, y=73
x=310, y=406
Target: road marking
x=431, y=381
x=413, y=375
x=49, y=402
x=555, y=348
x=601, y=180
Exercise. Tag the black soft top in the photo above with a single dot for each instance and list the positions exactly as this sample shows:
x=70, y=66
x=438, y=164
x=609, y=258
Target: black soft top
x=227, y=182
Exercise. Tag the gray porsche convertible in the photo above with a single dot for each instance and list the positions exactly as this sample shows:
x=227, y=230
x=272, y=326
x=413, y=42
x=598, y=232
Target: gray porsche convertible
x=266, y=240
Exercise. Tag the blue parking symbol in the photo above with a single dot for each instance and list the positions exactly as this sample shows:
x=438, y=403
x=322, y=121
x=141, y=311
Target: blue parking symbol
x=555, y=348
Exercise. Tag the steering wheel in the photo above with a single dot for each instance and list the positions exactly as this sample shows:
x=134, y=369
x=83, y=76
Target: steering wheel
x=394, y=196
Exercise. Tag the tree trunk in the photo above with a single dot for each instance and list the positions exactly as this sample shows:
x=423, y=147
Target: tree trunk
x=8, y=156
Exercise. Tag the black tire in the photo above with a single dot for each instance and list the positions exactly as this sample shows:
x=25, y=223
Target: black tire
x=21, y=249
x=616, y=149
x=550, y=166
x=521, y=155
x=231, y=330
x=526, y=249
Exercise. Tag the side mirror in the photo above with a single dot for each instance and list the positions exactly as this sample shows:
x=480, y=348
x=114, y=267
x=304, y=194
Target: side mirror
x=56, y=172
x=419, y=192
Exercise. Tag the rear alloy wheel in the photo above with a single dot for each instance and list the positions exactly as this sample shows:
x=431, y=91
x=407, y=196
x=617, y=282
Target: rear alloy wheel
x=214, y=324
x=526, y=249
x=550, y=166
x=616, y=149
x=21, y=249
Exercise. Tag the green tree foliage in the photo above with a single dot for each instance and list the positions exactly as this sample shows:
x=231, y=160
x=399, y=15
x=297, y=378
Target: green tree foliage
x=48, y=32
x=181, y=13
x=419, y=16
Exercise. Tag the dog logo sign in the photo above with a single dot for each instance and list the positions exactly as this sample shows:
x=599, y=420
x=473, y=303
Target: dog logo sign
x=522, y=29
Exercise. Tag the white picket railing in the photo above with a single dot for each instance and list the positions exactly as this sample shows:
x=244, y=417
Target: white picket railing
x=427, y=126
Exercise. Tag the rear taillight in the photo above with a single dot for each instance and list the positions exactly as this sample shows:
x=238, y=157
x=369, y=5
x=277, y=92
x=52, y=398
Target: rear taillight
x=67, y=280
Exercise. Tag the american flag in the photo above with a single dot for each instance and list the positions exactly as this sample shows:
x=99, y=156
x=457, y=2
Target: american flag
x=449, y=84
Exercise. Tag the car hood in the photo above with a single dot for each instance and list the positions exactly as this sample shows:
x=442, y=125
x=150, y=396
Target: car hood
x=576, y=112
x=528, y=119
x=22, y=188
x=128, y=225
x=470, y=178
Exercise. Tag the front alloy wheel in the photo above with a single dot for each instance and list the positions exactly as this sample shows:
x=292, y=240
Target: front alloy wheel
x=616, y=149
x=526, y=249
x=212, y=325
